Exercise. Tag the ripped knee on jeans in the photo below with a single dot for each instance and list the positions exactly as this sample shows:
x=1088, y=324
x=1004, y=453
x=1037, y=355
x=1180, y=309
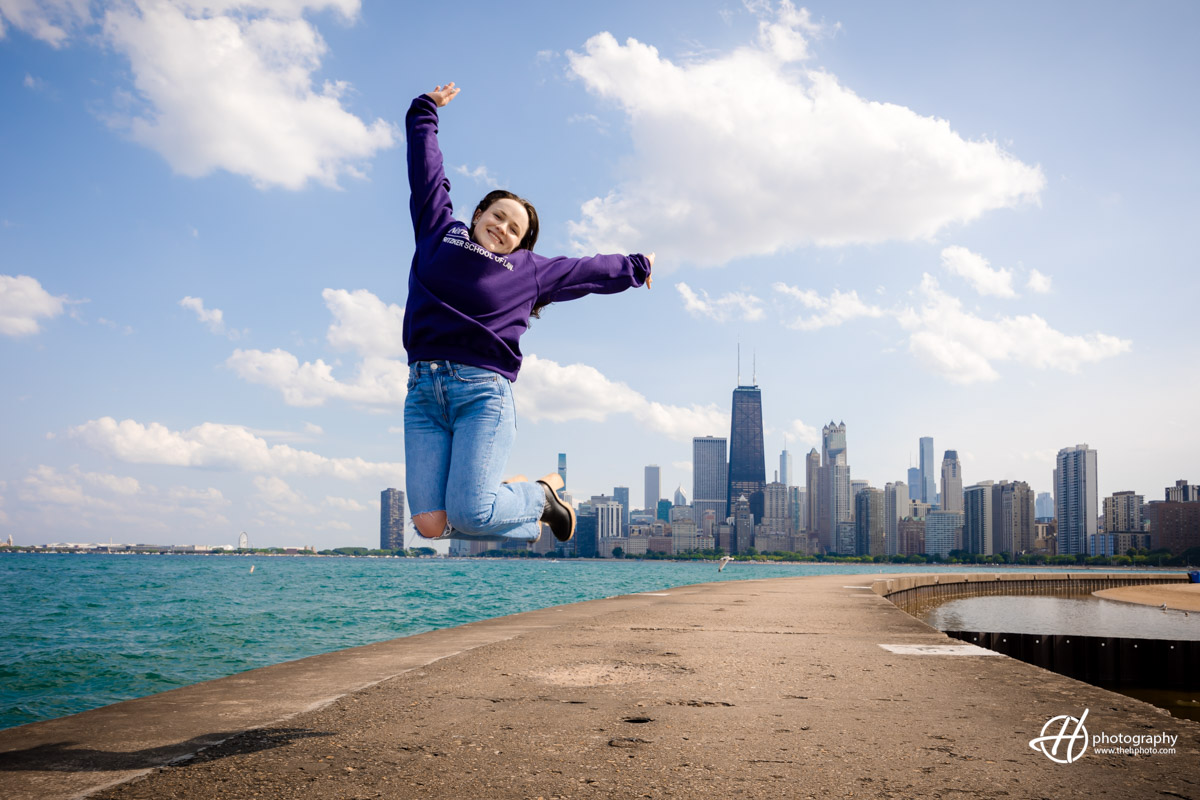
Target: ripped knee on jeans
x=431, y=524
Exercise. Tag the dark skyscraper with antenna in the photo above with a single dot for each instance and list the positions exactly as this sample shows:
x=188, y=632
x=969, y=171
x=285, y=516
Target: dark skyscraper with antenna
x=747, y=459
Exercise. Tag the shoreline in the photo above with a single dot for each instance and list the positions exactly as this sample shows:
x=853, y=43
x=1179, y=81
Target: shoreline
x=1182, y=597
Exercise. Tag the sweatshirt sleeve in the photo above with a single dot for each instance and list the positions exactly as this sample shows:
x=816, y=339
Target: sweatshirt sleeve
x=563, y=278
x=429, y=202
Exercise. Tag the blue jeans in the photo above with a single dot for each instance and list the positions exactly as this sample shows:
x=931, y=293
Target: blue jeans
x=459, y=426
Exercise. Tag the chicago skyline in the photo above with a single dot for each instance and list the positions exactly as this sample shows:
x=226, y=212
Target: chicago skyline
x=201, y=301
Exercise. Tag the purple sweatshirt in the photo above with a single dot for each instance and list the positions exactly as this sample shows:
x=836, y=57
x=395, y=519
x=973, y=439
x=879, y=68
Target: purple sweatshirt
x=466, y=303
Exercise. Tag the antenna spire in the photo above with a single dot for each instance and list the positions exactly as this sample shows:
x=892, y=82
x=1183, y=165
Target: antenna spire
x=739, y=363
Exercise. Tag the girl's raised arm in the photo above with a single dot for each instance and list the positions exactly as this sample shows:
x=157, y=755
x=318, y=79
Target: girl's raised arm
x=429, y=202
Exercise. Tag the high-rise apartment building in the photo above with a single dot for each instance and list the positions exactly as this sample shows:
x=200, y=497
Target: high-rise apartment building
x=797, y=507
x=870, y=523
x=776, y=509
x=812, y=486
x=943, y=532
x=747, y=459
x=1013, y=517
x=653, y=488
x=742, y=533
x=978, y=521
x=709, y=481
x=1123, y=512
x=914, y=483
x=857, y=486
x=1075, y=498
x=895, y=508
x=621, y=495
x=952, y=482
x=786, y=475
x=391, y=520
x=928, y=482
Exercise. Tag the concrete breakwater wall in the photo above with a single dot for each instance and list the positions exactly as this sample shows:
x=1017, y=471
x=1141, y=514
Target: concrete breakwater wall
x=911, y=590
x=1156, y=663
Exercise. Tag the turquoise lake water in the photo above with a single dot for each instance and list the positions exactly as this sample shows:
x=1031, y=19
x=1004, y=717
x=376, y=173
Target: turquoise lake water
x=83, y=631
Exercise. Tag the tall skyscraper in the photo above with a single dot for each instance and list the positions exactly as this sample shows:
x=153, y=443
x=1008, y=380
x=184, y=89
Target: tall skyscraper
x=895, y=508
x=709, y=478
x=812, y=485
x=978, y=519
x=870, y=523
x=836, y=503
x=391, y=520
x=747, y=459
x=621, y=494
x=1044, y=505
x=1013, y=512
x=952, y=482
x=786, y=473
x=562, y=473
x=928, y=483
x=914, y=483
x=1076, y=498
x=653, y=488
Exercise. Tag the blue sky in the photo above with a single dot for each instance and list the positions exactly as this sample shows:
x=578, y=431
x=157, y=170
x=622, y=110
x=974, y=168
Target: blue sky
x=966, y=221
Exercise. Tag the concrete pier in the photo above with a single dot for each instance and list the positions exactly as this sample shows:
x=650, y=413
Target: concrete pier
x=796, y=687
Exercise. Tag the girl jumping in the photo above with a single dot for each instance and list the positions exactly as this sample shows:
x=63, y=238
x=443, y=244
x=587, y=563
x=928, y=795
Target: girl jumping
x=471, y=291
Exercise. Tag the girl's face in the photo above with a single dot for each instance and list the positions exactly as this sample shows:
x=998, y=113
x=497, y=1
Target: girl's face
x=501, y=226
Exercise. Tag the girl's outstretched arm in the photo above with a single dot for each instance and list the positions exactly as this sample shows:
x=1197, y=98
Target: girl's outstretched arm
x=429, y=202
x=565, y=278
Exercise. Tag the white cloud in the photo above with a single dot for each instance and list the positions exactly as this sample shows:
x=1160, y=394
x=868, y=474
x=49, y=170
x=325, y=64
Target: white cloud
x=275, y=493
x=224, y=84
x=46, y=485
x=963, y=347
x=978, y=272
x=364, y=323
x=804, y=433
x=345, y=504
x=729, y=305
x=23, y=302
x=214, y=318
x=216, y=446
x=744, y=153
x=313, y=429
x=377, y=382
x=837, y=308
x=480, y=175
x=1038, y=282
x=187, y=494
x=548, y=390
x=52, y=21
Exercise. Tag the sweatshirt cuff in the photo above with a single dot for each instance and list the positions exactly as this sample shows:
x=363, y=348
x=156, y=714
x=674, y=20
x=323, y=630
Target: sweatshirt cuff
x=641, y=268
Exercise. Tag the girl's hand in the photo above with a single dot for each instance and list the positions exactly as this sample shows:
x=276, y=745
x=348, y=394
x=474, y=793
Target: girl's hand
x=650, y=278
x=443, y=94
